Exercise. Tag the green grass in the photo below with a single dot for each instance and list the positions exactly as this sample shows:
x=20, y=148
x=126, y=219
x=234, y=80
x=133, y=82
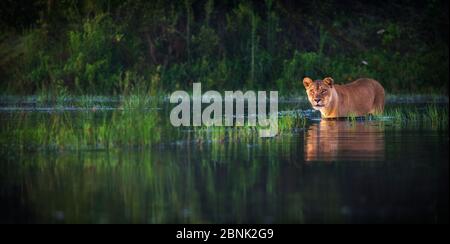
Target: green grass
x=291, y=121
x=135, y=122
x=434, y=116
x=287, y=123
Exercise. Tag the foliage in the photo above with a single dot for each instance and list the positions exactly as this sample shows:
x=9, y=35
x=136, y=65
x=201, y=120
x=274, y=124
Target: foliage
x=108, y=47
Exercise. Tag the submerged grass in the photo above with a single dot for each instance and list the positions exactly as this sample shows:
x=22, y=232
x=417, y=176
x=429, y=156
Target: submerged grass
x=433, y=116
x=136, y=121
x=290, y=122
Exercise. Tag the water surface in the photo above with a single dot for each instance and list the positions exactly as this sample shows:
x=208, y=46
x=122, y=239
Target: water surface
x=325, y=172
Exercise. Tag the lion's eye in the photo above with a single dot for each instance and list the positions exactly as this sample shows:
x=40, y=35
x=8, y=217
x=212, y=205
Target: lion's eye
x=323, y=92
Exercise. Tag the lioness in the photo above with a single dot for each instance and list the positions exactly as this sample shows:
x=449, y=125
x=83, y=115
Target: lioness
x=358, y=98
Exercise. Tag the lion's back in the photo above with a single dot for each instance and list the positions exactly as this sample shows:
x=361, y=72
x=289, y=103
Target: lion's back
x=364, y=95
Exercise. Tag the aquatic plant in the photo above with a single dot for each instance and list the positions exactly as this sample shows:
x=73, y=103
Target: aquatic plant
x=134, y=123
x=436, y=116
x=89, y=122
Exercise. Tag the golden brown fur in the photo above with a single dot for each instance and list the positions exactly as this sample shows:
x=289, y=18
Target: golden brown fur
x=358, y=98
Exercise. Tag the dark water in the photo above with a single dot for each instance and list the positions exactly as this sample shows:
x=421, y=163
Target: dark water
x=327, y=172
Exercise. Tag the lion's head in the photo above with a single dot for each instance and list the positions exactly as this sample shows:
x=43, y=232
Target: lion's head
x=319, y=91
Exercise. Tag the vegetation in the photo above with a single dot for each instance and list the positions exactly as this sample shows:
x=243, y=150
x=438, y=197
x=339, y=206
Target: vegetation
x=435, y=116
x=112, y=47
x=139, y=122
x=86, y=129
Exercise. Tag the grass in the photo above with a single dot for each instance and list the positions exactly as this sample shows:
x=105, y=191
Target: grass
x=432, y=115
x=287, y=123
x=136, y=121
x=291, y=121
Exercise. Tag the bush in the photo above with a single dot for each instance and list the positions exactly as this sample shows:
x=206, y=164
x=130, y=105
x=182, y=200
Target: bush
x=93, y=52
x=111, y=47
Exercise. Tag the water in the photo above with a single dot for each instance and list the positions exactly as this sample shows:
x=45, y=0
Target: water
x=327, y=172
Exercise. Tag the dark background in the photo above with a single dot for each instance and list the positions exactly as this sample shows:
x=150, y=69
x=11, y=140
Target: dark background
x=119, y=47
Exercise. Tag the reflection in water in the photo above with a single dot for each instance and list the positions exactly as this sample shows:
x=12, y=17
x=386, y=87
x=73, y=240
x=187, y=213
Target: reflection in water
x=332, y=140
x=180, y=185
x=225, y=177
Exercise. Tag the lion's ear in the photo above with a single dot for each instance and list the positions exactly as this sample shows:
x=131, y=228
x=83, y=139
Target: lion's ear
x=307, y=82
x=329, y=81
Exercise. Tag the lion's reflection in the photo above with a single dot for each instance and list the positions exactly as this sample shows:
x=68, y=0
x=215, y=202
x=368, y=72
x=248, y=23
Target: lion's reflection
x=344, y=140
